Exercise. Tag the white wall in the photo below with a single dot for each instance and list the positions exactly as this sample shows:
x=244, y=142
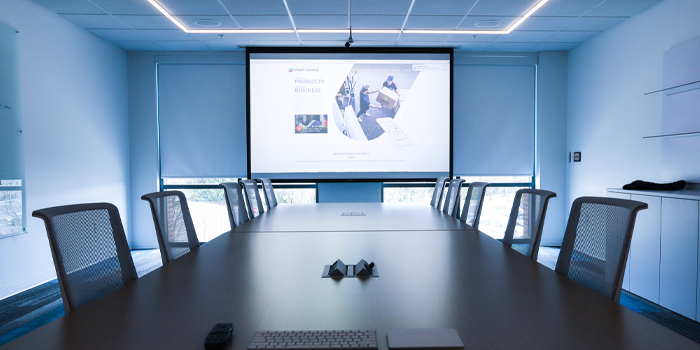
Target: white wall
x=550, y=163
x=608, y=113
x=74, y=102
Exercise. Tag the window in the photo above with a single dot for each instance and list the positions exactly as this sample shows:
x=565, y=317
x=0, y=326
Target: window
x=207, y=201
x=11, y=208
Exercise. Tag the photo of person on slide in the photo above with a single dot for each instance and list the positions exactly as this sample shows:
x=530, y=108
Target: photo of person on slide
x=304, y=121
x=365, y=105
x=389, y=84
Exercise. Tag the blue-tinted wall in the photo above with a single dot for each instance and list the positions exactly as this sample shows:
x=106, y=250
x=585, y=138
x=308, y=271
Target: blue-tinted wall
x=75, y=127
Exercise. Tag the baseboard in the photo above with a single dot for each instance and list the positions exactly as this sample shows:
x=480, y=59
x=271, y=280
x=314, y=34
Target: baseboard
x=27, y=283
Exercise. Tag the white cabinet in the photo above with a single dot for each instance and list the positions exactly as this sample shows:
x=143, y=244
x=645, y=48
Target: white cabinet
x=679, y=256
x=645, y=250
x=626, y=279
x=664, y=258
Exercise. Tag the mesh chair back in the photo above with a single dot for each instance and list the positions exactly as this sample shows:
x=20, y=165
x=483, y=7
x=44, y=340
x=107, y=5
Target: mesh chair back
x=524, y=229
x=438, y=191
x=255, y=205
x=269, y=193
x=89, y=249
x=237, y=213
x=452, y=197
x=596, y=243
x=174, y=227
x=471, y=213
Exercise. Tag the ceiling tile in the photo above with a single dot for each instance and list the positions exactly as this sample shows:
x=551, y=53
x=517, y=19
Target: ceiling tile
x=226, y=22
x=147, y=22
x=118, y=34
x=377, y=22
x=257, y=7
x=227, y=38
x=567, y=7
x=70, y=6
x=375, y=37
x=318, y=7
x=487, y=38
x=96, y=21
x=138, y=45
x=510, y=47
x=273, y=37
x=275, y=43
x=546, y=23
x=595, y=23
x=127, y=7
x=373, y=7
x=503, y=7
x=626, y=8
x=266, y=22
x=321, y=21
x=424, y=43
x=433, y=22
x=324, y=36
x=470, y=22
x=375, y=43
x=226, y=45
x=175, y=34
x=554, y=47
x=572, y=37
x=470, y=45
x=326, y=43
x=442, y=7
x=189, y=7
x=191, y=45
x=424, y=37
x=525, y=36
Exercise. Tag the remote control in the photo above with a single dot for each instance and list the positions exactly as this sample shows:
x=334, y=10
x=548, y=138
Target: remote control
x=218, y=336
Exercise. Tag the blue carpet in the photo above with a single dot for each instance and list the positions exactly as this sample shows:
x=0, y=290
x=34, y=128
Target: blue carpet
x=682, y=325
x=29, y=310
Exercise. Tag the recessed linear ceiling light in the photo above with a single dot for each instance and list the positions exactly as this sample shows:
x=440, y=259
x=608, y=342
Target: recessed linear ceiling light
x=331, y=31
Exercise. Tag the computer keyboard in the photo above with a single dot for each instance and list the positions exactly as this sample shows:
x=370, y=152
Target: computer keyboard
x=314, y=340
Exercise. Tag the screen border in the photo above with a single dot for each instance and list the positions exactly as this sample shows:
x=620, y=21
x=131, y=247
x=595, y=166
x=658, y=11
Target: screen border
x=353, y=50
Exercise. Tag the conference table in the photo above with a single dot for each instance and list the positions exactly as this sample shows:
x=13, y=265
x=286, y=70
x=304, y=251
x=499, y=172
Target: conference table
x=434, y=272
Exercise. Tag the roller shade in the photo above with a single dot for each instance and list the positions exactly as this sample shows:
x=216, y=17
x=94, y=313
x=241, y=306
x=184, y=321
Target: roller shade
x=202, y=120
x=494, y=120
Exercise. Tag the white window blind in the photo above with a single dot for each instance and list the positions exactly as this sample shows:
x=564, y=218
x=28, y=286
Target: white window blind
x=202, y=117
x=494, y=120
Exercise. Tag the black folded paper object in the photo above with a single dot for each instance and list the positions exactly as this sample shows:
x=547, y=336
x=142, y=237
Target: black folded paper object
x=339, y=270
x=651, y=186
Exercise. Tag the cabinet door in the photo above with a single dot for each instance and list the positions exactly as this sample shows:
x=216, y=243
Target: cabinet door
x=679, y=256
x=626, y=279
x=646, y=245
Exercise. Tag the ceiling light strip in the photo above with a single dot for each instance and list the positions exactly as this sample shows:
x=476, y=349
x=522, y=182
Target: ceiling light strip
x=344, y=31
x=528, y=14
x=170, y=17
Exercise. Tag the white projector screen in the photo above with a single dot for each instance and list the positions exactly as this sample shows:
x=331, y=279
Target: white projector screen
x=344, y=116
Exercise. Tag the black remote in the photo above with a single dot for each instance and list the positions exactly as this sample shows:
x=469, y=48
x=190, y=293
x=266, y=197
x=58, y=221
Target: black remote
x=218, y=336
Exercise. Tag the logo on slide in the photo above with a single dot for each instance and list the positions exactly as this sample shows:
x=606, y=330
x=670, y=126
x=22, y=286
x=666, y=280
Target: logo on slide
x=299, y=128
x=291, y=69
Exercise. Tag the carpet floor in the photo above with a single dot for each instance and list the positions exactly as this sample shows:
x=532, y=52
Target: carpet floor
x=28, y=310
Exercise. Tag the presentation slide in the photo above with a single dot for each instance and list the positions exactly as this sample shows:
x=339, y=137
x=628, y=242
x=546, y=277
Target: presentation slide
x=349, y=116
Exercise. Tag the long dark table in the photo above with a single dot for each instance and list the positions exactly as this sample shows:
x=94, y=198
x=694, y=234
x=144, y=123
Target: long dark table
x=328, y=217
x=493, y=296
